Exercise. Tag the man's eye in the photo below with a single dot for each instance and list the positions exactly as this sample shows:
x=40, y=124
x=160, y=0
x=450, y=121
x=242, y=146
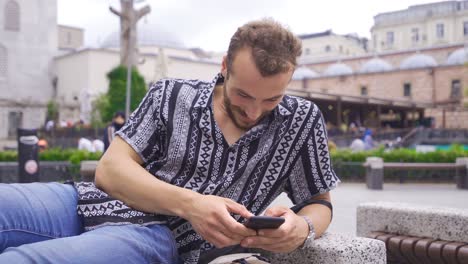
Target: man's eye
x=242, y=95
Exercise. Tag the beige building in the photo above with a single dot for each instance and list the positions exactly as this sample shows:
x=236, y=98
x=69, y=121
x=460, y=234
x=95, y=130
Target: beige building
x=325, y=45
x=69, y=38
x=421, y=26
x=81, y=74
x=399, y=88
x=28, y=42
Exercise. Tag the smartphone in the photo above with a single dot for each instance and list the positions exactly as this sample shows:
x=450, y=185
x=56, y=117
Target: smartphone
x=263, y=222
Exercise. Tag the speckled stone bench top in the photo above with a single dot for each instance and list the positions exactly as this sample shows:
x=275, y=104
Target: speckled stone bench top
x=450, y=224
x=336, y=249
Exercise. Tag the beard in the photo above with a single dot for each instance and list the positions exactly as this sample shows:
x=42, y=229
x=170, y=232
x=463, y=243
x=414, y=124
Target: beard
x=232, y=109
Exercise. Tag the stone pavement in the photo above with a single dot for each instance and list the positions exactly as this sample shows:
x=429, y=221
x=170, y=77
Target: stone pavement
x=347, y=196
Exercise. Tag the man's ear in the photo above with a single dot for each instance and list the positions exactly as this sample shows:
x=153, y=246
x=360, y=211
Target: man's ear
x=224, y=66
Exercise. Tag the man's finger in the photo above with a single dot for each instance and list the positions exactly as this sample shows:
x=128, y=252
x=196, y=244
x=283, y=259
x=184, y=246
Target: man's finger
x=260, y=242
x=219, y=239
x=276, y=211
x=273, y=233
x=232, y=227
x=239, y=209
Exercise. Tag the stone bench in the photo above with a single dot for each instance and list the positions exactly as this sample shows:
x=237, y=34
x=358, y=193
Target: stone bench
x=88, y=169
x=375, y=170
x=333, y=248
x=411, y=249
x=415, y=234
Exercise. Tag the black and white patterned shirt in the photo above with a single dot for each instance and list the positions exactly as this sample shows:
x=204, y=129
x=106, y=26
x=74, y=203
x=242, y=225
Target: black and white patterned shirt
x=175, y=133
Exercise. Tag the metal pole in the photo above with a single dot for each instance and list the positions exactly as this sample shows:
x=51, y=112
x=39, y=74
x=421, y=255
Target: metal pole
x=129, y=74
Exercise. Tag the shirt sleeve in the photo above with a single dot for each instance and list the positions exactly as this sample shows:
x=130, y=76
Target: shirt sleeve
x=313, y=173
x=145, y=130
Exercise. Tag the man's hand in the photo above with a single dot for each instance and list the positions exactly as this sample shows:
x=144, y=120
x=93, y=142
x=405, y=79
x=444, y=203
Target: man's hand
x=289, y=236
x=210, y=217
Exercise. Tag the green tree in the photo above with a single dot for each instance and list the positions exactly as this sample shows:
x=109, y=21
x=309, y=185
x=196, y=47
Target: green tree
x=117, y=91
x=52, y=111
x=99, y=107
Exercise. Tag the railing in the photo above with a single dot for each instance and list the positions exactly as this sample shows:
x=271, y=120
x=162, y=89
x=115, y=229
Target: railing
x=345, y=139
x=68, y=137
x=376, y=168
x=49, y=171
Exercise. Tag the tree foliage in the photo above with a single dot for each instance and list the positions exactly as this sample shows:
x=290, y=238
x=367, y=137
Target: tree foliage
x=52, y=110
x=117, y=91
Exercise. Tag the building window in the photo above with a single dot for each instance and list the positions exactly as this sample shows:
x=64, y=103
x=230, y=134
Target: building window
x=456, y=91
x=3, y=62
x=69, y=38
x=440, y=31
x=465, y=28
x=407, y=89
x=15, y=120
x=327, y=48
x=415, y=35
x=364, y=91
x=12, y=16
x=390, y=38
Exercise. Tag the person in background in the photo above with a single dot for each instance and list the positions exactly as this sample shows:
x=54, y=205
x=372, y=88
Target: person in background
x=117, y=122
x=368, y=141
x=42, y=144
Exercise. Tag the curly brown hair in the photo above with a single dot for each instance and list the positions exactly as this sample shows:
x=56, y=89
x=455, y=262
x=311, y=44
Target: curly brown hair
x=274, y=48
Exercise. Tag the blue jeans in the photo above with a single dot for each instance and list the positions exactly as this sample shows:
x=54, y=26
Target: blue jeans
x=39, y=224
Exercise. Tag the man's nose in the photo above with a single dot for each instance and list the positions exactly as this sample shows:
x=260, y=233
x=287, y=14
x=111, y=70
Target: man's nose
x=253, y=112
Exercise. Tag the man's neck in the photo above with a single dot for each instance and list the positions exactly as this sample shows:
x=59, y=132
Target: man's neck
x=229, y=129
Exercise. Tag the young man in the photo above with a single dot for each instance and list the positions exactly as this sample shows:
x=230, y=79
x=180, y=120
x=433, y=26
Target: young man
x=198, y=158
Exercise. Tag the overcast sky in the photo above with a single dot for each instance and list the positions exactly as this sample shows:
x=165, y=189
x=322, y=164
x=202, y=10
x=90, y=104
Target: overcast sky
x=209, y=24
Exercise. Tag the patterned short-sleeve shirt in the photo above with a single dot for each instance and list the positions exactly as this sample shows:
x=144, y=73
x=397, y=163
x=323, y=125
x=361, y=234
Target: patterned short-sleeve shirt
x=175, y=133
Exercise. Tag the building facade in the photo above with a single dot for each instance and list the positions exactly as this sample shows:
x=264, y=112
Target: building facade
x=28, y=42
x=69, y=38
x=326, y=45
x=398, y=89
x=421, y=26
x=81, y=73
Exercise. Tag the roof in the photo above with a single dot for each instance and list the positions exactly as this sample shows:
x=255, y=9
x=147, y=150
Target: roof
x=459, y=56
x=338, y=69
x=376, y=65
x=148, y=35
x=316, y=35
x=417, y=61
x=304, y=73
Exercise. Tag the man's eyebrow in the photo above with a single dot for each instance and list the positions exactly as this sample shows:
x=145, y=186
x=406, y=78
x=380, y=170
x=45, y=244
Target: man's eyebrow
x=243, y=92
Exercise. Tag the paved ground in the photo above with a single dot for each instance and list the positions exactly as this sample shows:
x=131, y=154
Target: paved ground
x=347, y=196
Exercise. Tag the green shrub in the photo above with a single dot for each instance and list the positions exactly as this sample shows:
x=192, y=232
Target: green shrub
x=80, y=155
x=401, y=155
x=8, y=155
x=56, y=154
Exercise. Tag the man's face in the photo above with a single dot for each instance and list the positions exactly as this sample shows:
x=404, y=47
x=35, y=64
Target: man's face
x=248, y=96
x=119, y=120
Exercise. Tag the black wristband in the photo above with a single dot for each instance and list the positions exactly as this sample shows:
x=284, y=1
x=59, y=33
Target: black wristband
x=296, y=208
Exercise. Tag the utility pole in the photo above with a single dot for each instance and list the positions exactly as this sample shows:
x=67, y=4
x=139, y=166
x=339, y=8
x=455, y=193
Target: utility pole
x=128, y=40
